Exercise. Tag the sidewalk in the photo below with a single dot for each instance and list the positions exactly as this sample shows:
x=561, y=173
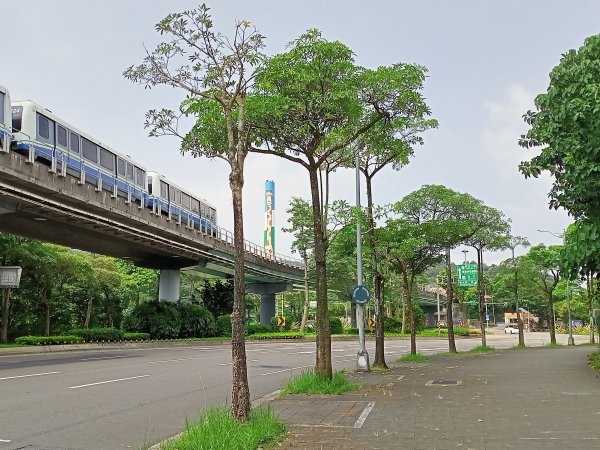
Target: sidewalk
x=512, y=399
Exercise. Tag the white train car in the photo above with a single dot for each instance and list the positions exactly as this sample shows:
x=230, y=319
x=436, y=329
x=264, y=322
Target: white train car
x=5, y=120
x=42, y=136
x=165, y=197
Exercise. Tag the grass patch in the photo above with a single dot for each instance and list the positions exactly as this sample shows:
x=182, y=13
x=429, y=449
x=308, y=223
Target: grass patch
x=216, y=429
x=594, y=360
x=9, y=345
x=308, y=382
x=482, y=349
x=413, y=358
x=519, y=347
x=378, y=369
x=448, y=354
x=551, y=345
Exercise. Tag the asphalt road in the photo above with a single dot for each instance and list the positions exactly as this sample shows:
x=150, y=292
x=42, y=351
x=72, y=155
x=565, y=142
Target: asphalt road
x=116, y=399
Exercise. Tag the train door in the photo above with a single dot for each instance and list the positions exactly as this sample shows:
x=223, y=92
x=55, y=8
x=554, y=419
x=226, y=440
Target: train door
x=61, y=150
x=74, y=167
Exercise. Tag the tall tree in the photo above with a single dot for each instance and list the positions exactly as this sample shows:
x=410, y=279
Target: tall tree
x=216, y=73
x=300, y=225
x=564, y=125
x=429, y=221
x=546, y=262
x=389, y=143
x=315, y=102
x=491, y=233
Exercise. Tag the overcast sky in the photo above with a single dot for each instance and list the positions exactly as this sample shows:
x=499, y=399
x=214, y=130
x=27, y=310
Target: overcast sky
x=486, y=60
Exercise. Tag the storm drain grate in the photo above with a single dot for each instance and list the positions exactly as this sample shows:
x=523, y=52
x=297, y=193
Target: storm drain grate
x=445, y=383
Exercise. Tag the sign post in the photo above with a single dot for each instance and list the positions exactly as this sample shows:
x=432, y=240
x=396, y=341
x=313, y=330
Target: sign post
x=10, y=276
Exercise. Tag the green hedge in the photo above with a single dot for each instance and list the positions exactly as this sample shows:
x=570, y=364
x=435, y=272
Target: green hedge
x=335, y=325
x=98, y=334
x=136, y=337
x=48, y=340
x=224, y=325
x=258, y=328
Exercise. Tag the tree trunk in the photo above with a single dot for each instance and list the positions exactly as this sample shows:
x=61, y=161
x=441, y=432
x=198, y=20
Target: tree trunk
x=88, y=313
x=591, y=291
x=240, y=392
x=411, y=314
x=306, y=297
x=449, y=303
x=5, y=315
x=323, y=340
x=379, y=313
x=403, y=302
x=551, y=319
x=480, y=295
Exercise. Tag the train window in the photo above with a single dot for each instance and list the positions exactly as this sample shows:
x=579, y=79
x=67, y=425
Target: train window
x=185, y=200
x=107, y=159
x=2, y=107
x=130, y=173
x=45, y=129
x=149, y=181
x=202, y=210
x=74, y=143
x=164, y=190
x=61, y=136
x=89, y=150
x=213, y=215
x=121, y=167
x=174, y=195
x=195, y=205
x=17, y=117
x=140, y=176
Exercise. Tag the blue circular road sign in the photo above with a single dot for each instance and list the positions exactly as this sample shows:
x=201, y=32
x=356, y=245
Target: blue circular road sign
x=361, y=294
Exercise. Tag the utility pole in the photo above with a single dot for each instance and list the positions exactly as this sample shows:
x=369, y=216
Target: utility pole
x=362, y=357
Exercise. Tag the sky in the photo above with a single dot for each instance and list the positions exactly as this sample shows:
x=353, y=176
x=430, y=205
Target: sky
x=486, y=63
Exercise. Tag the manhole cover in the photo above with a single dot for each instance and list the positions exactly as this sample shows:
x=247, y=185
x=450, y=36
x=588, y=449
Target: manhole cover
x=445, y=383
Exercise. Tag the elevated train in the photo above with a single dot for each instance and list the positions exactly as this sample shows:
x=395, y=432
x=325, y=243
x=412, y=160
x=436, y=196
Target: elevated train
x=5, y=120
x=34, y=131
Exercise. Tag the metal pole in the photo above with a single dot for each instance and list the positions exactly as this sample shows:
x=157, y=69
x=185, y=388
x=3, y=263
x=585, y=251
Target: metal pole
x=362, y=357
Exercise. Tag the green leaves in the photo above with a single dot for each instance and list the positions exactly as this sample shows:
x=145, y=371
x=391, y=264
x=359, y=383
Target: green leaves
x=566, y=124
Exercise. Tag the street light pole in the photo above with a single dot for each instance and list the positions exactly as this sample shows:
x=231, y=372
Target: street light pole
x=465, y=253
x=362, y=357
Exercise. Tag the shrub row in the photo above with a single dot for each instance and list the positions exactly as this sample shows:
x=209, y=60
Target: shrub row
x=164, y=320
x=48, y=340
x=97, y=334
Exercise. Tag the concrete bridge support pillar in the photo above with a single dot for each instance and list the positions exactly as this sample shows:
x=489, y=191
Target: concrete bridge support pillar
x=168, y=288
x=267, y=298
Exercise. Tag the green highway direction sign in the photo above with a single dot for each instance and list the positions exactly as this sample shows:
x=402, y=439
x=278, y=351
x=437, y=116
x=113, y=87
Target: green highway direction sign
x=467, y=274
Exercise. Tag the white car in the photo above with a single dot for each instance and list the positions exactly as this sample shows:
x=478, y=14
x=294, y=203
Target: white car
x=512, y=328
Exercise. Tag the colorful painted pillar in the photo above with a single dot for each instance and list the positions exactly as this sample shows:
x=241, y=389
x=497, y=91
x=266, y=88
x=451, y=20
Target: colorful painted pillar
x=269, y=225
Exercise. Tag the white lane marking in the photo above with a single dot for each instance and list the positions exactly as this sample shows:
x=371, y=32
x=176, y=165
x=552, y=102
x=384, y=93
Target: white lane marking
x=230, y=363
x=363, y=416
x=5, y=440
x=287, y=370
x=109, y=381
x=170, y=360
x=26, y=376
x=300, y=367
x=98, y=358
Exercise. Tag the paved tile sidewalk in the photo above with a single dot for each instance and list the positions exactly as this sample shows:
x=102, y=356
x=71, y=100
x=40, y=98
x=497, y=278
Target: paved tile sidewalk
x=512, y=399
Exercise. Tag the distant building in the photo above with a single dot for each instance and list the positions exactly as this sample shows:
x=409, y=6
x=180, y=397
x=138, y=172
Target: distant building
x=531, y=321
